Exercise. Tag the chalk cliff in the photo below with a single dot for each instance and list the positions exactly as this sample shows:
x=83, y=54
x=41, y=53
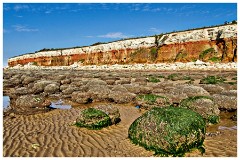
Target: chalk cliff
x=212, y=44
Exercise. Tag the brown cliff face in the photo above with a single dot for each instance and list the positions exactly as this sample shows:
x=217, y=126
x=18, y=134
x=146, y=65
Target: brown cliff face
x=211, y=44
x=222, y=50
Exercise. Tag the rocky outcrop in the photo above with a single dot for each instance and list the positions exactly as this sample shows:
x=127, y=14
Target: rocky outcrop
x=214, y=44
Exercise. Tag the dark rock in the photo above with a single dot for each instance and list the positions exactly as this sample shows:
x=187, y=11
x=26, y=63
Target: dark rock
x=21, y=91
x=212, y=89
x=192, y=91
x=99, y=92
x=123, y=81
x=122, y=97
x=66, y=81
x=229, y=93
x=28, y=80
x=119, y=88
x=234, y=117
x=31, y=101
x=111, y=111
x=52, y=88
x=40, y=85
x=81, y=97
x=225, y=102
x=70, y=90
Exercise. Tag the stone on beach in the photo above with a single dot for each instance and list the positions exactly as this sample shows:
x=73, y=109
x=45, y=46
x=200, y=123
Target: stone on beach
x=203, y=105
x=169, y=131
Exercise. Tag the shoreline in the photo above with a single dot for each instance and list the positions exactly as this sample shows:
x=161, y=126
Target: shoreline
x=177, y=66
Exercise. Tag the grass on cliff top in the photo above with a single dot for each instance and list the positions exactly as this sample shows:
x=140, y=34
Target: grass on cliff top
x=160, y=35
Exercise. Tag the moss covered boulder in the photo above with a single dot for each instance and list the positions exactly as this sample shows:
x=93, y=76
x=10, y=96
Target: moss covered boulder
x=169, y=131
x=92, y=118
x=149, y=101
x=203, y=105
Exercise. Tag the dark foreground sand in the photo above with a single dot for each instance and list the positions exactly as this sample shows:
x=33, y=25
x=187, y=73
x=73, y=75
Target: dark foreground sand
x=53, y=135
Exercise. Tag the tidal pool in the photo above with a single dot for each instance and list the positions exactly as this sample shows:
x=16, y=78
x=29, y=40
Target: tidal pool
x=6, y=102
x=60, y=104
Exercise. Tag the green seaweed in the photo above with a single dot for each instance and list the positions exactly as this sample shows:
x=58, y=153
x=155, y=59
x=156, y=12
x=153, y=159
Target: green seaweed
x=93, y=119
x=151, y=98
x=212, y=80
x=213, y=119
x=169, y=131
x=187, y=103
x=153, y=79
x=172, y=76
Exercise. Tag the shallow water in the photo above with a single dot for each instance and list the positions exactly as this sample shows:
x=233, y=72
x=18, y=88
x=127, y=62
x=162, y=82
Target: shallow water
x=60, y=104
x=6, y=102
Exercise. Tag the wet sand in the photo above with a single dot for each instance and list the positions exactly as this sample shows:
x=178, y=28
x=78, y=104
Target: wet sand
x=53, y=135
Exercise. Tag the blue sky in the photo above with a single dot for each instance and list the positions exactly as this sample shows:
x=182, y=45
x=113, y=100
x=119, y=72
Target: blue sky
x=28, y=27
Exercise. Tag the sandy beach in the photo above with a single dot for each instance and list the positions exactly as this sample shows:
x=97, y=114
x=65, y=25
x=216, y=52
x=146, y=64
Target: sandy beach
x=36, y=132
x=53, y=135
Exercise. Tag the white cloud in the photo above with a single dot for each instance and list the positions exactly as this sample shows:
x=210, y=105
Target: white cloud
x=21, y=28
x=88, y=36
x=115, y=35
x=155, y=30
x=20, y=6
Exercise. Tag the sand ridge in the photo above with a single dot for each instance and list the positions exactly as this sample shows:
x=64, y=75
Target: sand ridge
x=53, y=135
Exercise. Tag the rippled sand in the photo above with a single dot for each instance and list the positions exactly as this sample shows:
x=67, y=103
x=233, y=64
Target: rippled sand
x=53, y=135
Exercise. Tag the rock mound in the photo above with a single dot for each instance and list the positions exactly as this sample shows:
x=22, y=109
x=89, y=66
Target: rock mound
x=98, y=117
x=92, y=118
x=203, y=105
x=169, y=131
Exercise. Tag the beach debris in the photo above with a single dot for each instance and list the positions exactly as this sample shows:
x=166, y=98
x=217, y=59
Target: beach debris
x=234, y=117
x=170, y=131
x=138, y=107
x=35, y=145
x=211, y=134
x=227, y=128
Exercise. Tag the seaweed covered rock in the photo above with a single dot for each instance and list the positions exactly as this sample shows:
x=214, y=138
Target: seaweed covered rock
x=30, y=104
x=212, y=80
x=225, y=102
x=92, y=118
x=111, y=111
x=121, y=97
x=169, y=131
x=149, y=101
x=203, y=105
x=32, y=101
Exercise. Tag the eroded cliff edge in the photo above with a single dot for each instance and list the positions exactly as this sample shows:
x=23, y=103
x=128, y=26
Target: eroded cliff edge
x=212, y=44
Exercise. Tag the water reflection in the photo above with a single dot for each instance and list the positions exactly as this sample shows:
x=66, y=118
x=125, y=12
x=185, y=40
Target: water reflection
x=59, y=104
x=6, y=102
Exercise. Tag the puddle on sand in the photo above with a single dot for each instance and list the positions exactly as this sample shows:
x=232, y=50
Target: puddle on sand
x=6, y=102
x=59, y=104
